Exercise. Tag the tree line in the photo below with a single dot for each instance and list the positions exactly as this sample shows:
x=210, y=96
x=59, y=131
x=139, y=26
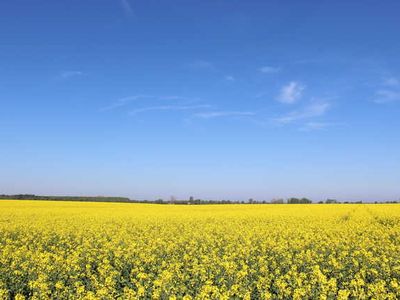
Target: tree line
x=65, y=198
x=173, y=200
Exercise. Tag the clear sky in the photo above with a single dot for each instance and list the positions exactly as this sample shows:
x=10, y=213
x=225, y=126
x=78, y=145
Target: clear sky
x=218, y=99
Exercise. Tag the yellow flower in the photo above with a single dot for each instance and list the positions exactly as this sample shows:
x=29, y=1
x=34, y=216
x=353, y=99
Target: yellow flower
x=139, y=251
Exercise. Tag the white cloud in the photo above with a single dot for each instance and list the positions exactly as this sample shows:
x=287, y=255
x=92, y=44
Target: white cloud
x=269, y=69
x=391, y=81
x=261, y=94
x=201, y=65
x=168, y=108
x=386, y=96
x=291, y=92
x=310, y=111
x=229, y=78
x=310, y=126
x=127, y=100
x=126, y=6
x=217, y=114
x=173, y=98
x=124, y=101
x=389, y=91
x=69, y=74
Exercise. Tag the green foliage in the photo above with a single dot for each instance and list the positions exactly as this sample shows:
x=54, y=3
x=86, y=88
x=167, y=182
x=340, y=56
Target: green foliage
x=298, y=201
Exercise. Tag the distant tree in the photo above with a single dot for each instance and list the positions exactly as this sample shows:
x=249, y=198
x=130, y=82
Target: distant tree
x=298, y=201
x=293, y=201
x=277, y=201
x=160, y=201
x=331, y=201
x=305, y=201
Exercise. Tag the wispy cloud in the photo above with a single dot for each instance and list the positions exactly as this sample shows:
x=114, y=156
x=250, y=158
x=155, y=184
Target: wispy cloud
x=127, y=7
x=121, y=102
x=392, y=82
x=178, y=98
x=269, y=69
x=387, y=96
x=313, y=110
x=311, y=126
x=291, y=92
x=221, y=113
x=69, y=74
x=229, y=78
x=388, y=91
x=168, y=108
x=124, y=101
x=201, y=65
x=261, y=94
x=312, y=60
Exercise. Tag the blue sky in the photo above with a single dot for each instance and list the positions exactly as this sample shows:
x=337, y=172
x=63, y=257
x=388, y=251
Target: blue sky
x=215, y=99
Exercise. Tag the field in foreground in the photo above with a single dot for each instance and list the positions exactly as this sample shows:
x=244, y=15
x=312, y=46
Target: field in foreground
x=129, y=251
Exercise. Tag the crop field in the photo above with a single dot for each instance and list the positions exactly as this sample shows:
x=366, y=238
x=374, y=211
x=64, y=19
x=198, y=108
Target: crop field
x=71, y=250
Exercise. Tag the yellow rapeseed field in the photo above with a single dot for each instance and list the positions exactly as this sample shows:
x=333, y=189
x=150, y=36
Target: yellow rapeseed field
x=71, y=250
